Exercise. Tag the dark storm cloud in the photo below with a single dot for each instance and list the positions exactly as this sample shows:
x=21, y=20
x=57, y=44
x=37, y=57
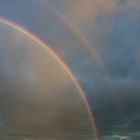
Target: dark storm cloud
x=112, y=26
x=117, y=42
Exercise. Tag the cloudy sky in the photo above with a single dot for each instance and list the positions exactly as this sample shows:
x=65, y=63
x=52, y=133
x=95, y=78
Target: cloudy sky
x=99, y=41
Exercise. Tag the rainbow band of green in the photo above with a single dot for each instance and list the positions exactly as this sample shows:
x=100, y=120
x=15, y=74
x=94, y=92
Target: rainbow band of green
x=61, y=62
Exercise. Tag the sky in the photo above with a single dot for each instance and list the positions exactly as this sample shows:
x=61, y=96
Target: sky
x=99, y=41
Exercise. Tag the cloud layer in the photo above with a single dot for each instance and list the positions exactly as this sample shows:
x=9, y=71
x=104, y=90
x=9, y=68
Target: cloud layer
x=112, y=27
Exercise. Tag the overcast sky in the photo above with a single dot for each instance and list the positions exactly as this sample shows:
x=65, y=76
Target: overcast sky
x=106, y=64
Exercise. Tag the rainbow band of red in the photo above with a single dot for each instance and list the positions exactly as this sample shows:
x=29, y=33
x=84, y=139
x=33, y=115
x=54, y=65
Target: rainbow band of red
x=61, y=62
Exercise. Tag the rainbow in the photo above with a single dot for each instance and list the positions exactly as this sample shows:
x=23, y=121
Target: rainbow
x=61, y=62
x=66, y=22
x=91, y=49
